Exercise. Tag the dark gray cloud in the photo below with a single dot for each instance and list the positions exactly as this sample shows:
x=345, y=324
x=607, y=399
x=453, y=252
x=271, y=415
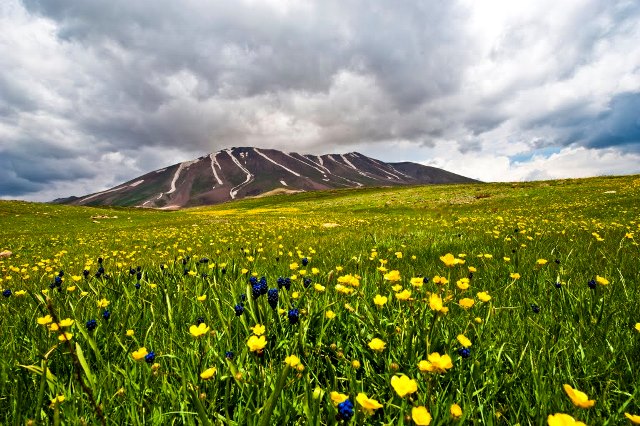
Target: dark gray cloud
x=90, y=88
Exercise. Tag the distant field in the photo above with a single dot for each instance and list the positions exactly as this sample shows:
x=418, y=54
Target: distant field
x=488, y=296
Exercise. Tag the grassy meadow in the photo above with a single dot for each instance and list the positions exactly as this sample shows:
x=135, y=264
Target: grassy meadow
x=463, y=304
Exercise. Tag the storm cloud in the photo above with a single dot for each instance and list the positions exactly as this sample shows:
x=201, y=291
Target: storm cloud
x=96, y=93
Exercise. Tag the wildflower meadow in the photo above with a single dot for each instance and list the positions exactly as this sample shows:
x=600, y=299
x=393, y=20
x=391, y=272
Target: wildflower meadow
x=473, y=304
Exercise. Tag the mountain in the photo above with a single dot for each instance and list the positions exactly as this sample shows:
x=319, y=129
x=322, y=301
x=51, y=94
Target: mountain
x=248, y=172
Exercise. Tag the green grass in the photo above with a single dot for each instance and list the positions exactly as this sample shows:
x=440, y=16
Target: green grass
x=519, y=359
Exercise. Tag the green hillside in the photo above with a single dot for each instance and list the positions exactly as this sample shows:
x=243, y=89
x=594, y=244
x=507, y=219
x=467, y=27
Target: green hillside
x=497, y=295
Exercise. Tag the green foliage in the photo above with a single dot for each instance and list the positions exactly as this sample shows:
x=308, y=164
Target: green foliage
x=519, y=358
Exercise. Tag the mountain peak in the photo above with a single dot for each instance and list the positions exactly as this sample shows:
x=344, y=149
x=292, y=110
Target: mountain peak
x=239, y=172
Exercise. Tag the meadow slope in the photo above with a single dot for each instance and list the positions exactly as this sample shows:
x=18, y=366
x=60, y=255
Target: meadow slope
x=470, y=304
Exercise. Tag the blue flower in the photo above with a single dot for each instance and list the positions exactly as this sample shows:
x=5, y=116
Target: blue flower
x=558, y=284
x=6, y=293
x=535, y=308
x=592, y=284
x=58, y=280
x=150, y=357
x=85, y=272
x=294, y=316
x=253, y=280
x=304, y=261
x=239, y=310
x=137, y=286
x=272, y=298
x=306, y=282
x=91, y=324
x=228, y=355
x=464, y=352
x=100, y=260
x=106, y=314
x=345, y=410
x=199, y=320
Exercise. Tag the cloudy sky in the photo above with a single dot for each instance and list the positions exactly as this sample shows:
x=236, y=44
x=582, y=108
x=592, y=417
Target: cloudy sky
x=93, y=93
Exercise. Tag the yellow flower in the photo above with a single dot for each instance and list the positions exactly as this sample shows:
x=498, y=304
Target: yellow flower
x=256, y=343
x=103, y=303
x=404, y=295
x=295, y=295
x=338, y=398
x=602, y=281
x=293, y=266
x=258, y=329
x=450, y=260
x=243, y=271
x=560, y=419
x=59, y=399
x=456, y=411
x=65, y=336
x=483, y=296
x=355, y=364
x=67, y=322
x=315, y=271
x=208, y=373
x=635, y=419
x=466, y=303
x=319, y=288
x=130, y=333
x=377, y=345
x=464, y=341
x=403, y=385
x=202, y=298
x=139, y=354
x=292, y=360
x=638, y=326
x=330, y=315
x=435, y=302
x=76, y=278
x=417, y=282
x=368, y=405
x=380, y=300
x=463, y=283
x=199, y=330
x=20, y=293
x=436, y=363
x=440, y=280
x=71, y=289
x=579, y=399
x=45, y=320
x=396, y=287
x=392, y=276
x=54, y=327
x=398, y=254
x=514, y=275
x=421, y=416
x=541, y=262
x=472, y=269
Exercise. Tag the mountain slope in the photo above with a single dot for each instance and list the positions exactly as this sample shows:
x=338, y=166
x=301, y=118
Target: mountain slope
x=244, y=172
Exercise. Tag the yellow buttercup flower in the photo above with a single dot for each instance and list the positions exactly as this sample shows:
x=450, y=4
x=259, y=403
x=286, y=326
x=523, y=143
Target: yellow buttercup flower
x=602, y=281
x=256, y=343
x=140, y=353
x=47, y=319
x=319, y=288
x=368, y=405
x=404, y=295
x=463, y=283
x=199, y=330
x=393, y=276
x=292, y=360
x=202, y=298
x=208, y=373
x=103, y=303
x=417, y=282
x=66, y=336
x=421, y=416
x=330, y=315
x=130, y=333
x=464, y=341
x=635, y=419
x=579, y=399
x=638, y=327
x=455, y=411
x=560, y=419
x=450, y=260
x=483, y=296
x=435, y=302
x=377, y=344
x=380, y=300
x=440, y=280
x=514, y=275
x=67, y=322
x=258, y=329
x=403, y=385
x=436, y=363
x=466, y=303
x=541, y=262
x=338, y=398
